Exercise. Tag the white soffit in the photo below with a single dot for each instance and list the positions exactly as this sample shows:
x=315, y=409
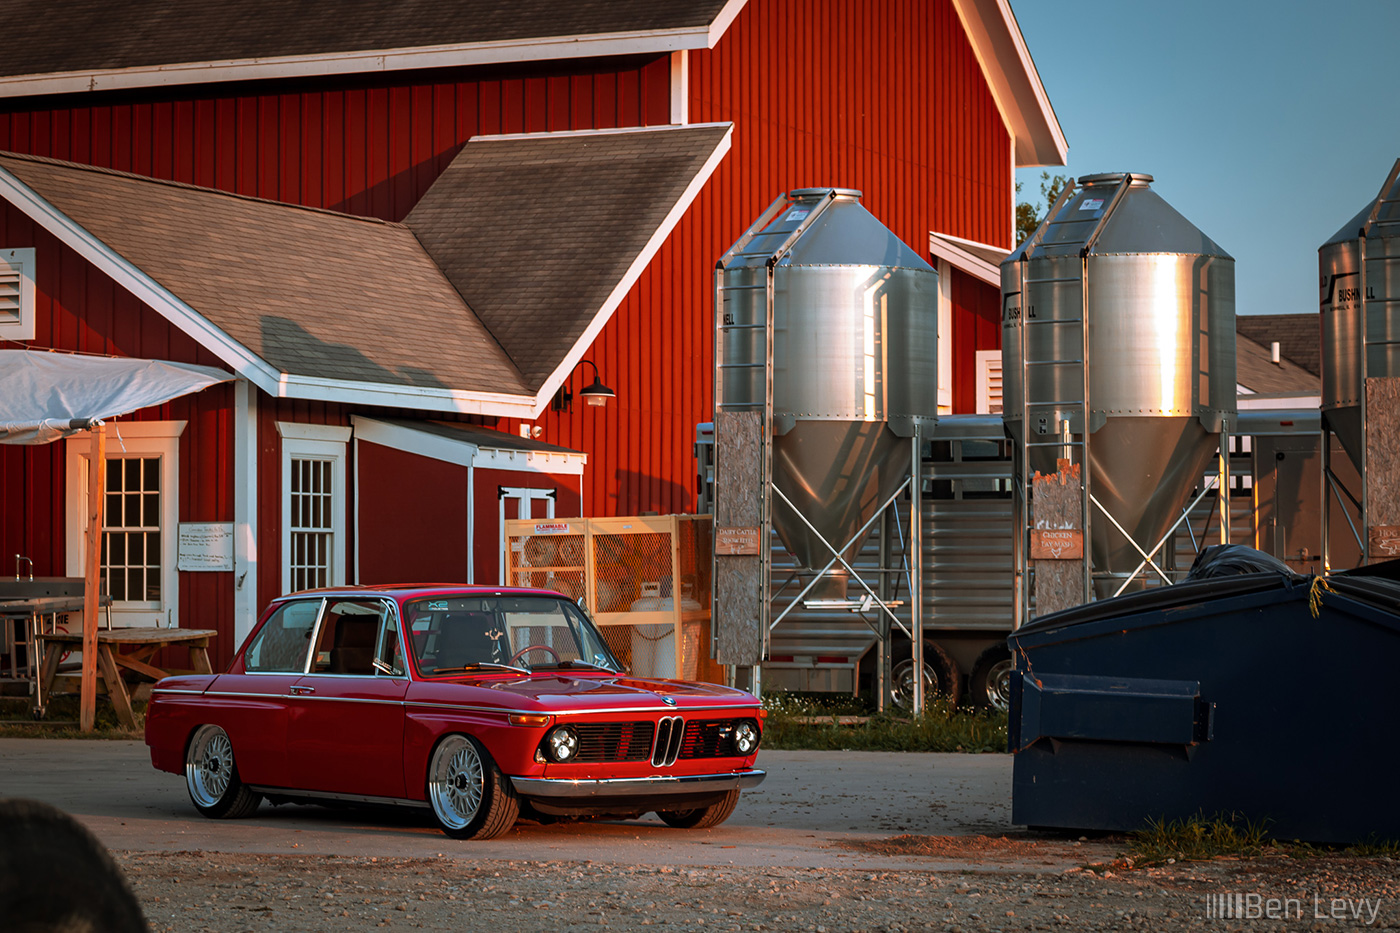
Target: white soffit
x=464, y=452
x=1006, y=63
x=978, y=260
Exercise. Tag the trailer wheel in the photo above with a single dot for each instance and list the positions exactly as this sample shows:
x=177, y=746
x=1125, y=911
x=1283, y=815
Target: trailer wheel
x=941, y=679
x=990, y=686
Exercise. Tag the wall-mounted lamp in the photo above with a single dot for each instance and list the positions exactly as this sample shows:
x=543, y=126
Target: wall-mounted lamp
x=595, y=393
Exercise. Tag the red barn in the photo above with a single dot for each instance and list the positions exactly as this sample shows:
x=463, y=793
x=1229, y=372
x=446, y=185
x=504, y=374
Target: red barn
x=404, y=230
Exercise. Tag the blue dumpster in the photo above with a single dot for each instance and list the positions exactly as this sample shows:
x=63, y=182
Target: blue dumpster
x=1220, y=695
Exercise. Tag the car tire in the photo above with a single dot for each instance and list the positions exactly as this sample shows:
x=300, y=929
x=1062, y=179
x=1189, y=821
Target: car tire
x=701, y=817
x=469, y=796
x=990, y=685
x=941, y=678
x=211, y=777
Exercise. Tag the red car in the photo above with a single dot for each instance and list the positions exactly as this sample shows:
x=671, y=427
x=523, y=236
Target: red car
x=481, y=703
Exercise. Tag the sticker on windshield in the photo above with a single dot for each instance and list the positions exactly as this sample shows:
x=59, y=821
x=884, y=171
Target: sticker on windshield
x=437, y=605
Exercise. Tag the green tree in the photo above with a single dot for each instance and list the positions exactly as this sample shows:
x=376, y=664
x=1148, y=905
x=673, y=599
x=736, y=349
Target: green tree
x=1028, y=214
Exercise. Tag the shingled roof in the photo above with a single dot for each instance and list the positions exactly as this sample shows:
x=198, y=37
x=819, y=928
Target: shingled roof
x=1255, y=370
x=1298, y=336
x=44, y=37
x=542, y=233
x=311, y=292
x=548, y=232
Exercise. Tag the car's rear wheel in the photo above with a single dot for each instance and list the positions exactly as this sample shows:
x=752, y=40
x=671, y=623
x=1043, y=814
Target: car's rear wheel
x=211, y=775
x=469, y=795
x=701, y=817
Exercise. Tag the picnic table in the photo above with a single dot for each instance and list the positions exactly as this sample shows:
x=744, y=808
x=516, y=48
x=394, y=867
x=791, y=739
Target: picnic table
x=122, y=650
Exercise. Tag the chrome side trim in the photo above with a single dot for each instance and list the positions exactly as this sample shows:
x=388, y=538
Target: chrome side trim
x=349, y=798
x=195, y=693
x=750, y=711
x=656, y=785
x=305, y=696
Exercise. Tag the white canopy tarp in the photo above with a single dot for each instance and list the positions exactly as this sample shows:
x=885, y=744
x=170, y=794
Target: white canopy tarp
x=47, y=396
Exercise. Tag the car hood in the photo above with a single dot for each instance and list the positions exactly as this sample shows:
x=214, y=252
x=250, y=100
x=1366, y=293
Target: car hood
x=561, y=693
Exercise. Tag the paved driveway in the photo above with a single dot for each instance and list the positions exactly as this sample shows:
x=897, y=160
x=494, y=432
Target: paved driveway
x=810, y=804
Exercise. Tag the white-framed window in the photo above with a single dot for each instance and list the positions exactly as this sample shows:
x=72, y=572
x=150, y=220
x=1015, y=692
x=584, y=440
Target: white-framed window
x=313, y=505
x=17, y=294
x=989, y=382
x=140, y=512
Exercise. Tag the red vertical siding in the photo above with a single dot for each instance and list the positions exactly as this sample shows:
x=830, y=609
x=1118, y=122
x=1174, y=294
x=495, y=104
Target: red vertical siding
x=364, y=146
x=413, y=517
x=976, y=326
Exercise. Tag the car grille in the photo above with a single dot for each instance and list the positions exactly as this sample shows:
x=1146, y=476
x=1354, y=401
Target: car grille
x=613, y=741
x=710, y=738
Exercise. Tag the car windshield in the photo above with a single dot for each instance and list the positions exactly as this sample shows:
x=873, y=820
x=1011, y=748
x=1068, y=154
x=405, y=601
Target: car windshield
x=461, y=634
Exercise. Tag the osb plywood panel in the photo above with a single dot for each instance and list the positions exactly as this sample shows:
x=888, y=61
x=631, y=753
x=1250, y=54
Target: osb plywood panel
x=1383, y=467
x=737, y=608
x=1056, y=503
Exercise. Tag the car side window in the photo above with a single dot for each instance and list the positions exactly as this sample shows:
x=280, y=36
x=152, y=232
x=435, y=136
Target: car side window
x=349, y=634
x=281, y=645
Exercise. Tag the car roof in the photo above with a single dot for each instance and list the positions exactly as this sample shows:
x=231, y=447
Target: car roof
x=408, y=590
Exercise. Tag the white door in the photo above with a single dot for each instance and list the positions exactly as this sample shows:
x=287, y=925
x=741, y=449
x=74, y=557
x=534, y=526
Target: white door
x=521, y=502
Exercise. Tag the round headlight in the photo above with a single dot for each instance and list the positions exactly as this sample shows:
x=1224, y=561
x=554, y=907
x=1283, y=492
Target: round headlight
x=745, y=737
x=562, y=743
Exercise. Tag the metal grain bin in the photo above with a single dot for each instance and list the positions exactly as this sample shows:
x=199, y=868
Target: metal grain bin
x=1159, y=353
x=1193, y=699
x=855, y=350
x=1359, y=300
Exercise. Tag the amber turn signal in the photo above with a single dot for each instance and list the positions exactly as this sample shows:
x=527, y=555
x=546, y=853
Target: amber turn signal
x=528, y=719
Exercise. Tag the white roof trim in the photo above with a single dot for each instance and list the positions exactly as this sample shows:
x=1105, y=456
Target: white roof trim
x=464, y=452
x=642, y=42
x=634, y=271
x=1006, y=63
x=976, y=259
x=244, y=362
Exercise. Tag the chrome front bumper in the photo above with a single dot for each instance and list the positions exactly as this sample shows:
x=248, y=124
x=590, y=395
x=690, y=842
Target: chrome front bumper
x=656, y=785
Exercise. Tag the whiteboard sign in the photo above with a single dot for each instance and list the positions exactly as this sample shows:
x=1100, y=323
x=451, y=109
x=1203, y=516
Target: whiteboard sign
x=205, y=546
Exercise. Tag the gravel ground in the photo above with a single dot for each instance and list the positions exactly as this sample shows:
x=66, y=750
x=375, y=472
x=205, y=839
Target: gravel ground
x=231, y=893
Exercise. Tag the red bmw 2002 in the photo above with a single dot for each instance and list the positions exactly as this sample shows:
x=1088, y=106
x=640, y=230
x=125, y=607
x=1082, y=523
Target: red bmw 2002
x=483, y=704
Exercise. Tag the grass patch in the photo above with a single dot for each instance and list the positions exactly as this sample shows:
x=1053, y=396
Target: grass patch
x=798, y=722
x=1201, y=838
x=61, y=720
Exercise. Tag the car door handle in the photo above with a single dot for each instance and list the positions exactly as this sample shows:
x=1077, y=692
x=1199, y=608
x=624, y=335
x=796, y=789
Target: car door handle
x=302, y=691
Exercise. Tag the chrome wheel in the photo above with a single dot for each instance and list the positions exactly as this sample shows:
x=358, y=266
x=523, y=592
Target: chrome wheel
x=209, y=766
x=999, y=684
x=456, y=782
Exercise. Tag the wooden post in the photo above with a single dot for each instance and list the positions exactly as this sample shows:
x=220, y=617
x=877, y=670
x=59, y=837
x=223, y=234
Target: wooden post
x=92, y=566
x=1057, y=541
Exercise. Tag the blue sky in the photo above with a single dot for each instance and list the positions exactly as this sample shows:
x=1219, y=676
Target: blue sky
x=1267, y=124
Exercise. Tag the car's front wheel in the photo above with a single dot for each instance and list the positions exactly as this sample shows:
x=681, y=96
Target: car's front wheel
x=469, y=795
x=701, y=817
x=211, y=775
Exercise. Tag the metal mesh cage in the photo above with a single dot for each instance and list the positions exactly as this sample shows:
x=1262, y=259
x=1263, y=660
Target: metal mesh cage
x=645, y=581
